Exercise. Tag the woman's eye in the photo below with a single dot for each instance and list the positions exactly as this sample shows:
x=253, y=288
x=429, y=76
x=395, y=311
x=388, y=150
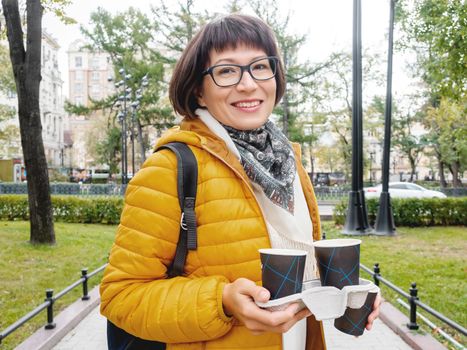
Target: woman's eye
x=226, y=71
x=260, y=66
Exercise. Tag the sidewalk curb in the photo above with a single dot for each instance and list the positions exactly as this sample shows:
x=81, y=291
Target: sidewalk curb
x=397, y=321
x=70, y=317
x=45, y=339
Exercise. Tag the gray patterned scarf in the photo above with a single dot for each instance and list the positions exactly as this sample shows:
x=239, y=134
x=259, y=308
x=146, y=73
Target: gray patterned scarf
x=268, y=160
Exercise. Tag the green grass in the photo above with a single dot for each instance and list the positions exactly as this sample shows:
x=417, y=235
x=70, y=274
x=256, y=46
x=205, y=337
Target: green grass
x=28, y=270
x=433, y=257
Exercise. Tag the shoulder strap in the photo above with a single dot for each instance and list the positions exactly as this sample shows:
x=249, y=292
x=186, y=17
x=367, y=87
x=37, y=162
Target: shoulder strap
x=187, y=180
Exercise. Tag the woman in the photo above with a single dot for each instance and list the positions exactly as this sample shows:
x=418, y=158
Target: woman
x=252, y=193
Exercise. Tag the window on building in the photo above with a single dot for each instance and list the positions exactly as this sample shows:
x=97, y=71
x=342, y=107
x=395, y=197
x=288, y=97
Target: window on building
x=78, y=61
x=78, y=87
x=95, y=89
x=79, y=100
x=95, y=92
x=95, y=76
x=95, y=63
x=79, y=75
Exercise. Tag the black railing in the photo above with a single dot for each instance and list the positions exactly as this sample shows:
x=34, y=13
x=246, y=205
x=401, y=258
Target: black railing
x=49, y=303
x=333, y=193
x=68, y=189
x=413, y=300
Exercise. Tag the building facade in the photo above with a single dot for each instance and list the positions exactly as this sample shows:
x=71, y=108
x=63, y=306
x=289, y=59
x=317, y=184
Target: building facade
x=53, y=117
x=90, y=78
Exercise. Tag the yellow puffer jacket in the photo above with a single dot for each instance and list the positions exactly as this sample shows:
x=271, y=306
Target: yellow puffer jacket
x=186, y=312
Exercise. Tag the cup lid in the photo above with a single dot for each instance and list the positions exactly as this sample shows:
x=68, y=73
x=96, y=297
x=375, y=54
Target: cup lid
x=280, y=251
x=339, y=242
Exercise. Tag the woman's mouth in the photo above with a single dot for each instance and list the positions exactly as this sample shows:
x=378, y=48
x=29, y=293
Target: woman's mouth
x=247, y=105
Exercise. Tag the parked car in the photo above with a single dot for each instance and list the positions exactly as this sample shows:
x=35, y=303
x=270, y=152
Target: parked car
x=403, y=190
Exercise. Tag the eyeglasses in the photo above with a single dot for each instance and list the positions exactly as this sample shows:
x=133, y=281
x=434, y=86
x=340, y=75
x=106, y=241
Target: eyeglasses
x=225, y=75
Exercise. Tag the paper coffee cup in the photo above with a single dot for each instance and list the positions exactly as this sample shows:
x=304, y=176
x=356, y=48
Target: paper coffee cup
x=282, y=271
x=353, y=321
x=338, y=261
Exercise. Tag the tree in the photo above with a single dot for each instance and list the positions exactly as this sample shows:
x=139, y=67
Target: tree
x=334, y=100
x=329, y=158
x=177, y=27
x=435, y=30
x=108, y=148
x=449, y=126
x=9, y=132
x=404, y=140
x=128, y=37
x=299, y=76
x=26, y=64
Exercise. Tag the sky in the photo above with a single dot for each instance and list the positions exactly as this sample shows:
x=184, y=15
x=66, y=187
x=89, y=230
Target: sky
x=327, y=25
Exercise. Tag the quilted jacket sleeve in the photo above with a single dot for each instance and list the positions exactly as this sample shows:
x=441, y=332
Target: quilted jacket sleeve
x=135, y=294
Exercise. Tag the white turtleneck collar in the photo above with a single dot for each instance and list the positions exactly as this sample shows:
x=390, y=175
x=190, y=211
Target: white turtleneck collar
x=217, y=129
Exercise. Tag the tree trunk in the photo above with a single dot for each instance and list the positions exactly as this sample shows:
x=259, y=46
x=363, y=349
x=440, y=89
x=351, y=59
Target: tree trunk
x=27, y=71
x=442, y=179
x=412, y=167
x=312, y=162
x=454, y=168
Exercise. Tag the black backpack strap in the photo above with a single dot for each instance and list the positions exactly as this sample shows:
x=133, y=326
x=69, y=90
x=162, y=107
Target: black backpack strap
x=187, y=181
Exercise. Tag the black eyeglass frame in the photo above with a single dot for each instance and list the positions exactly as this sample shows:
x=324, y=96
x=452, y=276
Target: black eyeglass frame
x=244, y=68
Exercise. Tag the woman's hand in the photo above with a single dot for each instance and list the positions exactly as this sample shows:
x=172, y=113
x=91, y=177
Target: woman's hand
x=375, y=313
x=238, y=299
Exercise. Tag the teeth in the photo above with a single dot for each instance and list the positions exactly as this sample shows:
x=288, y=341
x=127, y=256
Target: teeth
x=247, y=104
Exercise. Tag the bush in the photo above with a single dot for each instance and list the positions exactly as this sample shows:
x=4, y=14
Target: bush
x=415, y=212
x=95, y=210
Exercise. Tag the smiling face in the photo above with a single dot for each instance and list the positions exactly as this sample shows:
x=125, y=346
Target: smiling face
x=244, y=106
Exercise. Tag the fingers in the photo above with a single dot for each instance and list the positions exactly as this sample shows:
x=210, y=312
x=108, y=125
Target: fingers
x=256, y=317
x=284, y=326
x=260, y=294
x=375, y=313
x=247, y=287
x=239, y=298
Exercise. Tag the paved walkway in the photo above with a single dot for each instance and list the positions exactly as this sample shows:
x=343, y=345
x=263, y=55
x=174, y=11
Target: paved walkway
x=90, y=334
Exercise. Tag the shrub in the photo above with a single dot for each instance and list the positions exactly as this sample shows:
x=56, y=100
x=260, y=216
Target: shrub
x=92, y=210
x=414, y=211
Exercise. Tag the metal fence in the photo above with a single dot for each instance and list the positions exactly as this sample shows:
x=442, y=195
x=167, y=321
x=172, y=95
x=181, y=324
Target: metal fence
x=68, y=189
x=414, y=301
x=49, y=303
x=412, y=298
x=335, y=193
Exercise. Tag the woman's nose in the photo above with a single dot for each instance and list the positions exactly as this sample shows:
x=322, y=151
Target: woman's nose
x=247, y=82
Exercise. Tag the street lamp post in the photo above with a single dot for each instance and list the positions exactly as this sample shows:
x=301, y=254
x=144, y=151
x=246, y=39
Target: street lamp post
x=134, y=107
x=122, y=116
x=356, y=222
x=135, y=104
x=372, y=158
x=384, y=224
x=123, y=104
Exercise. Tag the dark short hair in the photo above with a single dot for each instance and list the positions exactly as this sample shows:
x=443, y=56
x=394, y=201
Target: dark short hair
x=220, y=34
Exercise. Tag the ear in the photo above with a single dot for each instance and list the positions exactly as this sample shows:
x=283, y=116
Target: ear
x=199, y=97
